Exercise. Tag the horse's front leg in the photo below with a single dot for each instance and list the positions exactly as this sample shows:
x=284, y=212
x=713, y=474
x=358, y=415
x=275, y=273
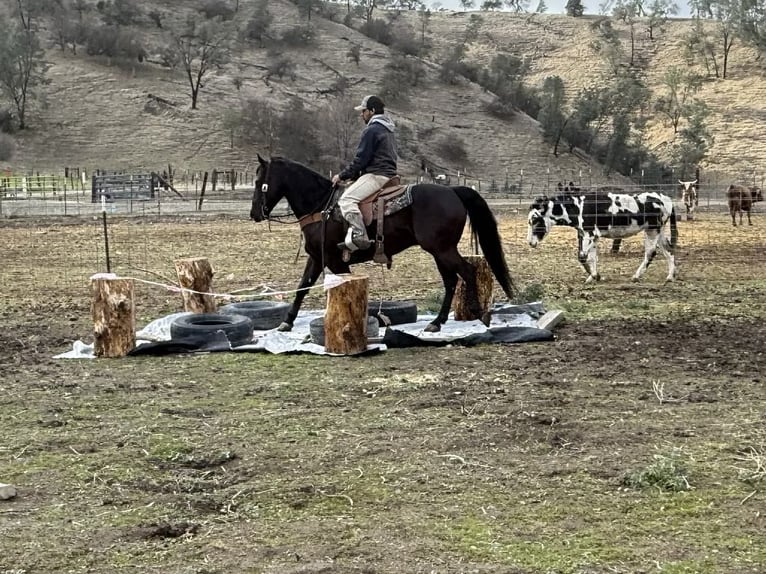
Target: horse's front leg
x=310, y=275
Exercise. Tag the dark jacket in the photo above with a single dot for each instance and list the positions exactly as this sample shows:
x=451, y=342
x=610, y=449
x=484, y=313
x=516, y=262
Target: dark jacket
x=376, y=152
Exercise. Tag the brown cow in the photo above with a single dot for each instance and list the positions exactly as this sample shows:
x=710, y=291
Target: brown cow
x=741, y=199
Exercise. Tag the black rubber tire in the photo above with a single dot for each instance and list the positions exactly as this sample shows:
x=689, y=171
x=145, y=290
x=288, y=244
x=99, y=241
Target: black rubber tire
x=316, y=329
x=199, y=328
x=264, y=314
x=397, y=312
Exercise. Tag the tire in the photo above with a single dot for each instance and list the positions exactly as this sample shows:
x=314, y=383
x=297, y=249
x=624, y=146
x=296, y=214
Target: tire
x=265, y=315
x=199, y=328
x=316, y=329
x=397, y=312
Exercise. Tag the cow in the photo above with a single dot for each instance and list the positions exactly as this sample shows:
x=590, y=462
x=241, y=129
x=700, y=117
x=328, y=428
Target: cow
x=603, y=214
x=689, y=197
x=741, y=198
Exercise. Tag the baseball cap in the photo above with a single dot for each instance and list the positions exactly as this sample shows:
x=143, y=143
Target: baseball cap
x=370, y=103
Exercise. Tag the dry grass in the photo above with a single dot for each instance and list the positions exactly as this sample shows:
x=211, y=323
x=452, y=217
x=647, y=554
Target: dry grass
x=487, y=459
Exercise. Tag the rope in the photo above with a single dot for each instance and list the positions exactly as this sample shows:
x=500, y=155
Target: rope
x=265, y=290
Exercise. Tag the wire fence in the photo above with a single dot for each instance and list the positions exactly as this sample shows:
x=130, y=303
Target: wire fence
x=236, y=199
x=52, y=246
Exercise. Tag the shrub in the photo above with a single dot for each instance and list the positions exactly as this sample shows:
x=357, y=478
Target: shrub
x=531, y=293
x=258, y=25
x=7, y=147
x=665, y=473
x=119, y=12
x=281, y=68
x=452, y=148
x=354, y=54
x=7, y=121
x=299, y=36
x=400, y=76
x=379, y=30
x=156, y=17
x=217, y=9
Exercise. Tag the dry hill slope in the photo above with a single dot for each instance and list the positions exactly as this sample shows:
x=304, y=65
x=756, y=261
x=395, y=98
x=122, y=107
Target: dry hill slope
x=560, y=46
x=101, y=116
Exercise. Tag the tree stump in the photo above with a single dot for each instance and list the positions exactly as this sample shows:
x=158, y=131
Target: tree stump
x=484, y=286
x=114, y=316
x=196, y=274
x=345, y=322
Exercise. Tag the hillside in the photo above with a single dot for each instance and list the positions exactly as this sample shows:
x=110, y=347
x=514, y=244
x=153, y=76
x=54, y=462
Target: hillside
x=103, y=115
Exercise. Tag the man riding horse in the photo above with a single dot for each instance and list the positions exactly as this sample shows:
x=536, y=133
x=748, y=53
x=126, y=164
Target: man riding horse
x=373, y=165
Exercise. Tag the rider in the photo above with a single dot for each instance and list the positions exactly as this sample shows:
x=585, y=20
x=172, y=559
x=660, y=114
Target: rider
x=373, y=165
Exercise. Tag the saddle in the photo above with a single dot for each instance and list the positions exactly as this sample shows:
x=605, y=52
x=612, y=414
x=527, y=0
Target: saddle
x=374, y=208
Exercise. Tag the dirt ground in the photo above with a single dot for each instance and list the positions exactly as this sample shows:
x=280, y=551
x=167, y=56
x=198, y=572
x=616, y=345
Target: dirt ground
x=496, y=458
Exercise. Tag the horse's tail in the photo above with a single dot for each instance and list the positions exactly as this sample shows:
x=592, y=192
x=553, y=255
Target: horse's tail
x=485, y=226
x=673, y=229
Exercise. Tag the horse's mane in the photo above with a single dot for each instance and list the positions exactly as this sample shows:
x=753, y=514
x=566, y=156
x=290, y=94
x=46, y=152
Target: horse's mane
x=312, y=178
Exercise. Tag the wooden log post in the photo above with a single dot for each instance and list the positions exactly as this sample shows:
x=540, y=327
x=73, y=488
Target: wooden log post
x=114, y=315
x=196, y=274
x=484, y=286
x=345, y=321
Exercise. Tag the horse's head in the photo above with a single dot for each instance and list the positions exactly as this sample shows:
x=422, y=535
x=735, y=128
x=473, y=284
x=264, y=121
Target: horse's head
x=756, y=194
x=265, y=197
x=539, y=222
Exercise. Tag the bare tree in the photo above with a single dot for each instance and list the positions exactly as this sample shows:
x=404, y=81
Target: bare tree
x=22, y=66
x=198, y=48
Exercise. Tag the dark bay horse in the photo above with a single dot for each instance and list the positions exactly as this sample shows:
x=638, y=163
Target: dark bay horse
x=435, y=221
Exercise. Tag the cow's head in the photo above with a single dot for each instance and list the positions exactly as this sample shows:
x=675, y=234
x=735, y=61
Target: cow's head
x=539, y=221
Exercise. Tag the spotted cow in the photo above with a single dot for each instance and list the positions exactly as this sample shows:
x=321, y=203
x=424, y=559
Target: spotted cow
x=741, y=198
x=689, y=197
x=615, y=215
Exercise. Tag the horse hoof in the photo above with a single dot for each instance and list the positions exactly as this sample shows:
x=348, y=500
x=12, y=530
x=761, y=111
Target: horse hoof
x=285, y=327
x=635, y=279
x=432, y=328
x=486, y=318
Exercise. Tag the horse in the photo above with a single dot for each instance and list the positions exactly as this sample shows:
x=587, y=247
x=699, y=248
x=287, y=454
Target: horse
x=614, y=215
x=434, y=220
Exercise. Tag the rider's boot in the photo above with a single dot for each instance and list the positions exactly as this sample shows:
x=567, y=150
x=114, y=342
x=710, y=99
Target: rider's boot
x=356, y=237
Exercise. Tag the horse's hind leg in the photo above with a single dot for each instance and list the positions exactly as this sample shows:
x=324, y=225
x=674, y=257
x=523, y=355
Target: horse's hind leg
x=310, y=275
x=450, y=265
x=449, y=278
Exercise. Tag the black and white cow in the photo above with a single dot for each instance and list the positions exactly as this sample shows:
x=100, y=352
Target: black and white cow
x=689, y=197
x=615, y=215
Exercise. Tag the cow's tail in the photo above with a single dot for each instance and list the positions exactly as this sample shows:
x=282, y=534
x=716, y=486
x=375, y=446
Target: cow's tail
x=485, y=226
x=673, y=229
